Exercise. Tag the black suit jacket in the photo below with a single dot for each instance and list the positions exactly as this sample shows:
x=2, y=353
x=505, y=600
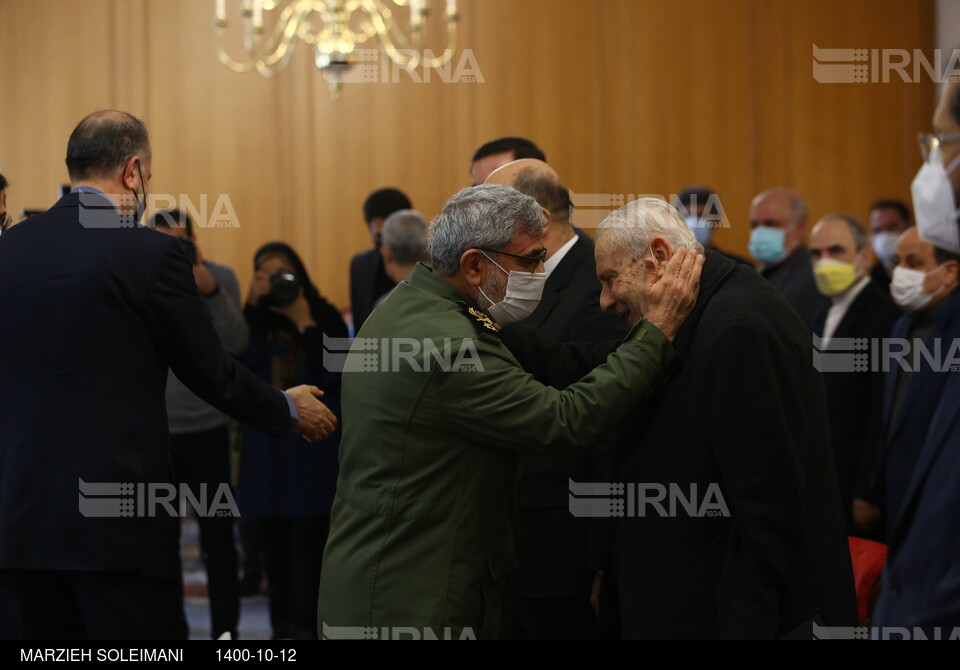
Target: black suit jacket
x=793, y=277
x=368, y=281
x=908, y=431
x=91, y=316
x=920, y=586
x=744, y=409
x=881, y=278
x=855, y=399
x=557, y=552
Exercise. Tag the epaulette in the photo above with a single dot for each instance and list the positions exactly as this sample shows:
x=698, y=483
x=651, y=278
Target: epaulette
x=480, y=319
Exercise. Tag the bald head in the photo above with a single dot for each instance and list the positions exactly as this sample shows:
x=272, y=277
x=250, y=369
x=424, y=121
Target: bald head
x=781, y=208
x=506, y=175
x=785, y=203
x=102, y=144
x=538, y=180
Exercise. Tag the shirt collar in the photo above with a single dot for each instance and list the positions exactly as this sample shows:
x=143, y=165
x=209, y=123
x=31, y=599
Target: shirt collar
x=95, y=191
x=88, y=189
x=846, y=298
x=551, y=263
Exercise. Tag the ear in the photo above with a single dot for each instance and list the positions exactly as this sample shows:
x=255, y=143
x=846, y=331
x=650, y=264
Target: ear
x=953, y=271
x=798, y=226
x=130, y=177
x=472, y=266
x=547, y=215
x=661, y=250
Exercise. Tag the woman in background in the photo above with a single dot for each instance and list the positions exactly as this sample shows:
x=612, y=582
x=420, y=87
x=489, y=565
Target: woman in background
x=287, y=484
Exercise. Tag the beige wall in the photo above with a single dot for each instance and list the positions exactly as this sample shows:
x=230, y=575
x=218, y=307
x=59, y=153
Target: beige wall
x=625, y=96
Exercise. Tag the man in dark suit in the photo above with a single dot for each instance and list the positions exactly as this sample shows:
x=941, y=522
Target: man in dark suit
x=559, y=554
x=497, y=153
x=922, y=576
x=858, y=309
x=368, y=275
x=95, y=308
x=742, y=415
x=889, y=219
x=700, y=207
x=778, y=218
x=912, y=395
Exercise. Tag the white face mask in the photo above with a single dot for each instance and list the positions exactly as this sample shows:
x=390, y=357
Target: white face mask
x=933, y=203
x=885, y=246
x=907, y=290
x=521, y=298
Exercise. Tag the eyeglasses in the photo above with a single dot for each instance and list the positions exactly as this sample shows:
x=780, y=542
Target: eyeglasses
x=533, y=261
x=929, y=142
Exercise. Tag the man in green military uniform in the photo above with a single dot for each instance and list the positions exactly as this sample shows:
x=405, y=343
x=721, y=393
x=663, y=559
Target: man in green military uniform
x=422, y=531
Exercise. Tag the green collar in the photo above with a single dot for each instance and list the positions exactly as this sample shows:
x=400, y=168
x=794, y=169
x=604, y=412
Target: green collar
x=424, y=277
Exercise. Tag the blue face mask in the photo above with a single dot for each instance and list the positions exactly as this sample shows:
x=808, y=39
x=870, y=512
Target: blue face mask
x=766, y=244
x=702, y=230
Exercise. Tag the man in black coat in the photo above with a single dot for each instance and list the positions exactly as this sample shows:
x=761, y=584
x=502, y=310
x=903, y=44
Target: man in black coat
x=368, y=274
x=731, y=525
x=889, y=219
x=95, y=308
x=778, y=219
x=859, y=309
x=559, y=554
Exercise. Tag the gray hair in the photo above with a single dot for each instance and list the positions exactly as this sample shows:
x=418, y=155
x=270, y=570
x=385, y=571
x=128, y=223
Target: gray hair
x=857, y=231
x=635, y=225
x=405, y=236
x=487, y=217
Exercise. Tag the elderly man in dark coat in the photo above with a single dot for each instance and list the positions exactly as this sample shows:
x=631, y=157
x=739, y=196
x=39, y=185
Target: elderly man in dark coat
x=731, y=525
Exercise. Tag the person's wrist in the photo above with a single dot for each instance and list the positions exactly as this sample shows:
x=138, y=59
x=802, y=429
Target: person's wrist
x=663, y=323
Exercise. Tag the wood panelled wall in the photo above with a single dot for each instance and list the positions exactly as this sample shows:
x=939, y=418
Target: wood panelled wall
x=625, y=97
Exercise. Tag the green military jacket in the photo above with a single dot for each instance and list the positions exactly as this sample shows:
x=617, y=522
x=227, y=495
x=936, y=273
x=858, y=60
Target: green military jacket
x=422, y=529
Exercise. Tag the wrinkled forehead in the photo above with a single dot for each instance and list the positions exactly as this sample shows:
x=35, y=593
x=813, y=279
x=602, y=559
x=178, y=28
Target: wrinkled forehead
x=609, y=256
x=525, y=244
x=911, y=244
x=830, y=232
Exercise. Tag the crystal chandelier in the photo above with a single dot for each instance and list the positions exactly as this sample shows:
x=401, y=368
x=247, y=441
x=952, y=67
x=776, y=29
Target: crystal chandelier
x=335, y=29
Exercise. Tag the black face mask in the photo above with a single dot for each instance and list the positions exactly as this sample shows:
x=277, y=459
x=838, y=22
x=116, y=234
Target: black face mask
x=141, y=204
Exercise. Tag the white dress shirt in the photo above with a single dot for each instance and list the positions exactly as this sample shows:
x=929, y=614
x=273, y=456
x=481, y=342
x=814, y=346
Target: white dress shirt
x=840, y=304
x=551, y=263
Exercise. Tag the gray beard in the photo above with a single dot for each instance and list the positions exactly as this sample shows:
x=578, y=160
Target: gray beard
x=495, y=286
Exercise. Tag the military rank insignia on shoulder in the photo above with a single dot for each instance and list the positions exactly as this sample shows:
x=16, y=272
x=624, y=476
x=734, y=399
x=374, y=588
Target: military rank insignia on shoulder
x=480, y=319
x=483, y=319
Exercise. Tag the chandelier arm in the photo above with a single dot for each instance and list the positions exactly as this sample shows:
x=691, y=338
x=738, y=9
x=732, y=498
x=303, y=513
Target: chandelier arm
x=447, y=56
x=271, y=54
x=227, y=60
x=391, y=39
x=279, y=47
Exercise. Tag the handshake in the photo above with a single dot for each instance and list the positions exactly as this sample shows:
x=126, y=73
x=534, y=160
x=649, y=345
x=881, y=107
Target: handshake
x=316, y=420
